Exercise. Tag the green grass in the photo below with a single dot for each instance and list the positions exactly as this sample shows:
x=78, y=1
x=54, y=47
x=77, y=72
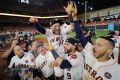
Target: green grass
x=40, y=36
x=101, y=33
x=72, y=34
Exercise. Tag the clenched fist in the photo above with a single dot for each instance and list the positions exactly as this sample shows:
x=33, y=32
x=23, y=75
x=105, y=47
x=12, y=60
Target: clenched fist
x=33, y=20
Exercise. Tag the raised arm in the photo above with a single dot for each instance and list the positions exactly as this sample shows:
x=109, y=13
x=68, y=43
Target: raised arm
x=59, y=61
x=79, y=33
x=40, y=28
x=9, y=51
x=77, y=27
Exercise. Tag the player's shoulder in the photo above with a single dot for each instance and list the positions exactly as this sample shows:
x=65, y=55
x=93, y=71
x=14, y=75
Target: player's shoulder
x=38, y=57
x=48, y=31
x=49, y=53
x=88, y=48
x=115, y=64
x=14, y=58
x=88, y=45
x=117, y=67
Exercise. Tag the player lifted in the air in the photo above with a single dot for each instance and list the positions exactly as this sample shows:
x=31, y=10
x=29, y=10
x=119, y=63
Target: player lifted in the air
x=57, y=34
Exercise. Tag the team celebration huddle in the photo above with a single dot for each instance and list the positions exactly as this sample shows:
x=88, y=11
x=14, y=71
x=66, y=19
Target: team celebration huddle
x=62, y=57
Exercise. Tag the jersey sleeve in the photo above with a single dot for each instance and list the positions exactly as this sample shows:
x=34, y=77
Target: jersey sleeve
x=87, y=52
x=58, y=71
x=40, y=28
x=66, y=28
x=79, y=33
x=88, y=48
x=48, y=32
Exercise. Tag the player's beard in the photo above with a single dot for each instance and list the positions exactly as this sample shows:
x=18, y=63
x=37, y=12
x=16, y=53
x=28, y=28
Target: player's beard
x=57, y=32
x=68, y=51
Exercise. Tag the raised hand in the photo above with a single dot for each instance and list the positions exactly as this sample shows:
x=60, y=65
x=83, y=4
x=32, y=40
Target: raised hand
x=33, y=20
x=69, y=7
x=74, y=11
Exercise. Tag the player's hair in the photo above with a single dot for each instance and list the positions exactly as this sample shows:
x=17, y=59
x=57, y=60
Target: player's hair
x=112, y=43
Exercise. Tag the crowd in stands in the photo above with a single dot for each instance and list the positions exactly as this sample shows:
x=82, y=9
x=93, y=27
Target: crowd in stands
x=97, y=21
x=5, y=29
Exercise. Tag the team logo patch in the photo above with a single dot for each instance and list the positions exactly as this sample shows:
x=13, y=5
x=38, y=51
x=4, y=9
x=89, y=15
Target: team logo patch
x=107, y=75
x=26, y=61
x=74, y=56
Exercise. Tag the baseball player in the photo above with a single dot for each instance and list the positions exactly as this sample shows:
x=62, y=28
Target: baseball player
x=73, y=61
x=10, y=53
x=98, y=65
x=44, y=62
x=22, y=64
x=116, y=38
x=56, y=34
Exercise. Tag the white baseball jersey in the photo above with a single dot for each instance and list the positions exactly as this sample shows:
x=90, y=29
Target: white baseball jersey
x=76, y=71
x=43, y=62
x=94, y=70
x=25, y=63
x=117, y=41
x=57, y=40
x=116, y=54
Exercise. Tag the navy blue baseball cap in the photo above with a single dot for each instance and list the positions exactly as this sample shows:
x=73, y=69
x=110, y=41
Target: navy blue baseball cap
x=40, y=43
x=56, y=21
x=72, y=41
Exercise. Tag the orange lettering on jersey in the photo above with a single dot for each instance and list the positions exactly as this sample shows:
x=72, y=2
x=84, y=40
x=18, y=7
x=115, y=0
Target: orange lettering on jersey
x=92, y=72
x=68, y=69
x=57, y=38
x=99, y=78
x=74, y=56
x=87, y=67
x=24, y=65
x=43, y=64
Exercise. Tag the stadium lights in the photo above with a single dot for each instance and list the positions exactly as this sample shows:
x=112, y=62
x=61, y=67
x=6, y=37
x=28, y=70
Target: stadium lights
x=19, y=15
